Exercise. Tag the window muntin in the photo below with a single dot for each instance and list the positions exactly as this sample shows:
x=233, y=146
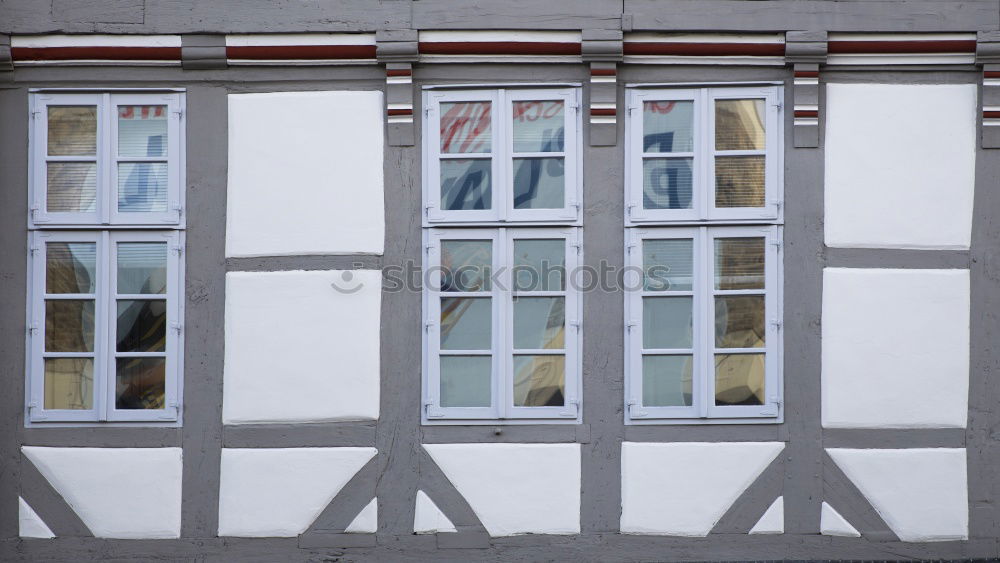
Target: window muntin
x=105, y=323
x=703, y=154
x=501, y=325
x=703, y=324
x=106, y=159
x=500, y=156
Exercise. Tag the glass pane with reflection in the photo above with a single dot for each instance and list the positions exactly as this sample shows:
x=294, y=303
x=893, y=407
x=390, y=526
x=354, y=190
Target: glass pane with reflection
x=539, y=126
x=668, y=126
x=466, y=381
x=466, y=184
x=142, y=187
x=739, y=181
x=71, y=187
x=739, y=263
x=539, y=183
x=466, y=265
x=739, y=379
x=739, y=125
x=70, y=267
x=539, y=323
x=539, y=264
x=667, y=322
x=668, y=264
x=142, y=268
x=142, y=325
x=739, y=321
x=667, y=183
x=142, y=131
x=140, y=383
x=69, y=325
x=69, y=383
x=466, y=127
x=72, y=130
x=539, y=381
x=666, y=381
x=466, y=323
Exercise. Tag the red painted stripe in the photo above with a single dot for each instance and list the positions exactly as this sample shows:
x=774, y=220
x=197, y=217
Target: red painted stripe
x=991, y=114
x=806, y=113
x=96, y=53
x=603, y=111
x=806, y=74
x=302, y=52
x=991, y=74
x=706, y=49
x=889, y=47
x=603, y=72
x=400, y=112
x=498, y=48
x=398, y=72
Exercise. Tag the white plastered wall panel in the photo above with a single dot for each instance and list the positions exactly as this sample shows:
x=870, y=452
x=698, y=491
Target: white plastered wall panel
x=305, y=173
x=895, y=348
x=30, y=524
x=298, y=349
x=125, y=493
x=279, y=492
x=900, y=165
x=683, y=489
x=921, y=493
x=516, y=488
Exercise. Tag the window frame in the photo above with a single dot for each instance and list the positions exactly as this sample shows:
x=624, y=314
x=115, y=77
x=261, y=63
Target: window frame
x=502, y=155
x=106, y=212
x=105, y=303
x=703, y=189
x=502, y=409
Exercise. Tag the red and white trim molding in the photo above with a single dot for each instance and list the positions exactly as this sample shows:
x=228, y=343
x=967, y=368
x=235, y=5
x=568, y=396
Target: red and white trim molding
x=705, y=48
x=500, y=46
x=301, y=49
x=901, y=48
x=91, y=50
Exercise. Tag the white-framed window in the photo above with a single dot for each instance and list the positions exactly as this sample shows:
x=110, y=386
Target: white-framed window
x=509, y=155
x=106, y=239
x=106, y=159
x=709, y=154
x=703, y=250
x=502, y=325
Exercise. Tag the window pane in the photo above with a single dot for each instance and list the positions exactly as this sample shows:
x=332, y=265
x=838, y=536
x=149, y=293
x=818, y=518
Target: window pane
x=70, y=267
x=539, y=264
x=142, y=187
x=142, y=130
x=667, y=322
x=539, y=381
x=142, y=325
x=539, y=183
x=739, y=125
x=668, y=264
x=739, y=321
x=466, y=323
x=466, y=381
x=666, y=381
x=739, y=263
x=666, y=183
x=739, y=181
x=539, y=126
x=69, y=383
x=142, y=267
x=539, y=323
x=465, y=127
x=466, y=265
x=69, y=325
x=72, y=130
x=668, y=126
x=140, y=383
x=71, y=187
x=466, y=184
x=739, y=379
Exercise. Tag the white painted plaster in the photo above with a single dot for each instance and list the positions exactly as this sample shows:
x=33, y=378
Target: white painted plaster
x=127, y=493
x=831, y=523
x=516, y=488
x=683, y=489
x=900, y=165
x=428, y=518
x=921, y=493
x=366, y=522
x=279, y=492
x=895, y=348
x=30, y=524
x=305, y=173
x=297, y=350
x=773, y=520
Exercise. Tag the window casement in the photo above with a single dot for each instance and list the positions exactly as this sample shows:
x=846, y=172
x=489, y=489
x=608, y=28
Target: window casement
x=106, y=159
x=105, y=307
x=501, y=325
x=703, y=250
x=502, y=156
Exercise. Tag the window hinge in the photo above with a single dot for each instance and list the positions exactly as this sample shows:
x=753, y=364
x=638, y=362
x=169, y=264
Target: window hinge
x=427, y=210
x=631, y=109
x=178, y=112
x=575, y=403
x=35, y=248
x=34, y=210
x=631, y=325
x=431, y=410
x=428, y=325
x=35, y=112
x=779, y=106
x=633, y=409
x=178, y=327
x=427, y=112
x=628, y=209
x=776, y=244
x=576, y=325
x=178, y=249
x=776, y=325
x=34, y=326
x=772, y=407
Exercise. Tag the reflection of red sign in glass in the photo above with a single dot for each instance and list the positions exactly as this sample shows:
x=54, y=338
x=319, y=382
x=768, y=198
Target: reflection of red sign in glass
x=145, y=112
x=533, y=111
x=659, y=107
x=465, y=128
